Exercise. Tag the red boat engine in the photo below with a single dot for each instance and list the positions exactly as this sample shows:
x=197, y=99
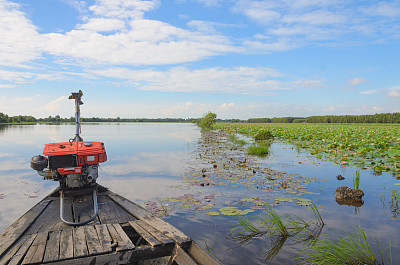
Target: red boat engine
x=75, y=163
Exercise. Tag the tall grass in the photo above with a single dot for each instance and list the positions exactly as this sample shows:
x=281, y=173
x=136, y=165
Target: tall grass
x=356, y=180
x=260, y=149
x=276, y=230
x=352, y=250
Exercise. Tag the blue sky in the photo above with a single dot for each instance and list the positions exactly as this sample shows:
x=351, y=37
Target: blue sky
x=182, y=58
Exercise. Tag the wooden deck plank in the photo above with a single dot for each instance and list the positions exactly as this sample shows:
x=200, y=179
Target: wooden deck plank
x=52, y=246
x=68, y=215
x=15, y=247
x=122, y=215
x=13, y=232
x=22, y=249
x=104, y=237
x=36, y=251
x=66, y=244
x=80, y=247
x=118, y=235
x=157, y=234
x=92, y=241
x=49, y=219
x=200, y=256
x=143, y=233
x=106, y=214
x=83, y=209
x=181, y=257
x=140, y=213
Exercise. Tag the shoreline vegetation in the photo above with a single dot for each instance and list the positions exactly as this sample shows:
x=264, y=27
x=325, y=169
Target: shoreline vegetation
x=374, y=118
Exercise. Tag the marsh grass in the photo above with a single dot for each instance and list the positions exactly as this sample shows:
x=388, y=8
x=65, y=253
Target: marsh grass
x=352, y=250
x=356, y=180
x=260, y=149
x=236, y=141
x=276, y=230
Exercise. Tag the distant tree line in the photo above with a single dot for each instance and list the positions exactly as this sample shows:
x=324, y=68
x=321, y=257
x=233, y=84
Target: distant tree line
x=373, y=118
x=4, y=118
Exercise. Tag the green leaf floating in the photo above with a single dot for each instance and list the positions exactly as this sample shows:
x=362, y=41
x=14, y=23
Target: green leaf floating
x=213, y=213
x=174, y=200
x=284, y=199
x=205, y=207
x=246, y=211
x=230, y=210
x=304, y=203
x=393, y=152
x=247, y=200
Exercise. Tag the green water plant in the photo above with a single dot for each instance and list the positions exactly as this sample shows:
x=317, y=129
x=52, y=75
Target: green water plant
x=277, y=229
x=263, y=134
x=260, y=149
x=356, y=180
x=353, y=249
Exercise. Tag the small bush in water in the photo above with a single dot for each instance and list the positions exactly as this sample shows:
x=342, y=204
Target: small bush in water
x=263, y=135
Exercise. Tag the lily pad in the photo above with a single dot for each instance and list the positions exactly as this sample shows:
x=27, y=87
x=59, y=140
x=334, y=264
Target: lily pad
x=246, y=211
x=205, y=207
x=284, y=199
x=174, y=200
x=304, y=203
x=247, y=200
x=212, y=213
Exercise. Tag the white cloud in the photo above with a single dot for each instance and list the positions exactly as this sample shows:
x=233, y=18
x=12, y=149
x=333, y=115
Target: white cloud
x=103, y=24
x=123, y=8
x=313, y=21
x=370, y=92
x=19, y=41
x=227, y=105
x=55, y=105
x=394, y=92
x=6, y=86
x=235, y=80
x=356, y=81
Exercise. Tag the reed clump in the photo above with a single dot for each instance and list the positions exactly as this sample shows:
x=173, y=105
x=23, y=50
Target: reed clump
x=353, y=249
x=277, y=230
x=260, y=149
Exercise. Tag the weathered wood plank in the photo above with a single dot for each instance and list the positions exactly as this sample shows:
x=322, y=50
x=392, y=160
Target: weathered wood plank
x=80, y=247
x=140, y=213
x=181, y=257
x=68, y=215
x=146, y=235
x=104, y=237
x=36, y=251
x=106, y=214
x=92, y=241
x=200, y=256
x=66, y=244
x=83, y=209
x=13, y=232
x=154, y=232
x=20, y=254
x=118, y=235
x=52, y=247
x=49, y=219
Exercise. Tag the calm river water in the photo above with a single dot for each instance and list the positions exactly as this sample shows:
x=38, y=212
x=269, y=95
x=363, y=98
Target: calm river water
x=152, y=163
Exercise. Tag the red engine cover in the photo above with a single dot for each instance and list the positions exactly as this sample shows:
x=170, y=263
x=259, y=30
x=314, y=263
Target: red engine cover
x=88, y=153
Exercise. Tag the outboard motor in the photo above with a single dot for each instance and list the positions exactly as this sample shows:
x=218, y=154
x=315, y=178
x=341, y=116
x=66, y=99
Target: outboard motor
x=74, y=164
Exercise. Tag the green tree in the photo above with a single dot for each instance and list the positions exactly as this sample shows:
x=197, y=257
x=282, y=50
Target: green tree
x=207, y=121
